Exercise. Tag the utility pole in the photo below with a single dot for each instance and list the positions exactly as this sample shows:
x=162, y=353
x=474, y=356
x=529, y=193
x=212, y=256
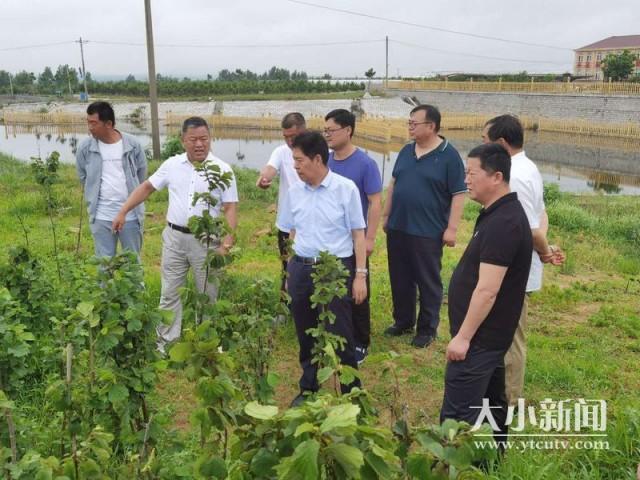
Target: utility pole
x=11, y=85
x=84, y=70
x=153, y=89
x=386, y=70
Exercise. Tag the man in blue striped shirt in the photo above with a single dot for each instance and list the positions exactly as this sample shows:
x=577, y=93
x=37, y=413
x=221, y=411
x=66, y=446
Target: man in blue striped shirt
x=323, y=214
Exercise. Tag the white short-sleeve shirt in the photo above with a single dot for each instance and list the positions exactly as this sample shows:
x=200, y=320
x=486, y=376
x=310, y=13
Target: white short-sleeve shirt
x=526, y=181
x=282, y=160
x=183, y=180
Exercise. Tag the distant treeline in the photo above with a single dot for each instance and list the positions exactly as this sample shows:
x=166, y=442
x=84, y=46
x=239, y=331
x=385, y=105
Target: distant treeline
x=67, y=81
x=506, y=77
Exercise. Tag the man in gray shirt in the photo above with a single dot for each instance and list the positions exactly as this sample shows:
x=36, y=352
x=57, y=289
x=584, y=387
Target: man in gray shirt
x=110, y=164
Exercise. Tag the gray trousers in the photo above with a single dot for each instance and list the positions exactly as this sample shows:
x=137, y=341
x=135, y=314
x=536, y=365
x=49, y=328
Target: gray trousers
x=106, y=240
x=179, y=252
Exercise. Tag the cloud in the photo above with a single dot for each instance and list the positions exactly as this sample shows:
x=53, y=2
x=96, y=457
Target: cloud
x=570, y=24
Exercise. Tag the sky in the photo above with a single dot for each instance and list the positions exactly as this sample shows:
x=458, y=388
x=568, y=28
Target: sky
x=343, y=38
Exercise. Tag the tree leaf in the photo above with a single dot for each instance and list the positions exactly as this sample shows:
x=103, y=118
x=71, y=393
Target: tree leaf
x=211, y=467
x=45, y=473
x=340, y=416
x=383, y=462
x=304, y=428
x=419, y=466
x=261, y=412
x=449, y=429
x=118, y=393
x=20, y=350
x=324, y=374
x=180, y=352
x=85, y=309
x=263, y=462
x=349, y=458
x=134, y=325
x=5, y=402
x=302, y=465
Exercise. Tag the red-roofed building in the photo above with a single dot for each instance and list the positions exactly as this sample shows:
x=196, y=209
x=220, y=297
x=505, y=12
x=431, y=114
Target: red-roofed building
x=587, y=59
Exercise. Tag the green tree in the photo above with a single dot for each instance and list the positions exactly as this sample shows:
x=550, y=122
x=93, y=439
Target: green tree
x=370, y=74
x=5, y=82
x=23, y=82
x=66, y=78
x=619, y=67
x=46, y=81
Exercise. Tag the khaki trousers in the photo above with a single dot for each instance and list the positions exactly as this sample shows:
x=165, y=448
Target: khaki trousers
x=179, y=252
x=516, y=358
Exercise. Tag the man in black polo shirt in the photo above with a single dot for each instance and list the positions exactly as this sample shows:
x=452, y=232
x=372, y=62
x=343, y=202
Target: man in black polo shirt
x=421, y=214
x=486, y=293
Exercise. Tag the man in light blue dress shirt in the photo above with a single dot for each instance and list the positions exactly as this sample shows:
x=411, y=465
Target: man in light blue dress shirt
x=323, y=214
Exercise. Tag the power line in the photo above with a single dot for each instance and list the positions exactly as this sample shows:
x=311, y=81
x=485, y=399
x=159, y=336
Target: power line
x=323, y=44
x=263, y=45
x=428, y=27
x=448, y=52
x=41, y=45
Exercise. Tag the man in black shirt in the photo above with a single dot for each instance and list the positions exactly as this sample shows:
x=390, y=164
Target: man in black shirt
x=486, y=294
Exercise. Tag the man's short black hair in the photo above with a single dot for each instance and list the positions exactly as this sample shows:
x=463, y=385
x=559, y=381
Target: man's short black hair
x=432, y=114
x=312, y=143
x=293, y=119
x=507, y=127
x=104, y=111
x=194, y=122
x=493, y=158
x=343, y=117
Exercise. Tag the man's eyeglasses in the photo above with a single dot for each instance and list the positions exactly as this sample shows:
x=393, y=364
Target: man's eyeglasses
x=413, y=124
x=330, y=131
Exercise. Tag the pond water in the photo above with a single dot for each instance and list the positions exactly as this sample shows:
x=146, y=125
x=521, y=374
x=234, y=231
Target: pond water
x=577, y=164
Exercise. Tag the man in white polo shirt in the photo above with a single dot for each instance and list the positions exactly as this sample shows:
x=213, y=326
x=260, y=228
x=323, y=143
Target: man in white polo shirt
x=526, y=181
x=281, y=163
x=180, y=249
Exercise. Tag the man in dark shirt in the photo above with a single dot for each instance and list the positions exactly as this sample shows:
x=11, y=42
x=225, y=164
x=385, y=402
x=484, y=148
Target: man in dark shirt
x=486, y=294
x=421, y=214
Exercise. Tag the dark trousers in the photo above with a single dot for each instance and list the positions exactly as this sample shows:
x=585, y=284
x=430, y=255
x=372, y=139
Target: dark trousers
x=300, y=287
x=284, y=254
x=480, y=375
x=361, y=317
x=415, y=263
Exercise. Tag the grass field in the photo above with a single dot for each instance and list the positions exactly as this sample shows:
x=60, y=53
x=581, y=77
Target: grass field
x=584, y=326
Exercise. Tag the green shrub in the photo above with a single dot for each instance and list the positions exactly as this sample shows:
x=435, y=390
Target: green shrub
x=551, y=193
x=570, y=217
x=172, y=146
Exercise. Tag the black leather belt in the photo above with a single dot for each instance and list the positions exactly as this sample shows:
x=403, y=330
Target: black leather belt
x=173, y=226
x=306, y=260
